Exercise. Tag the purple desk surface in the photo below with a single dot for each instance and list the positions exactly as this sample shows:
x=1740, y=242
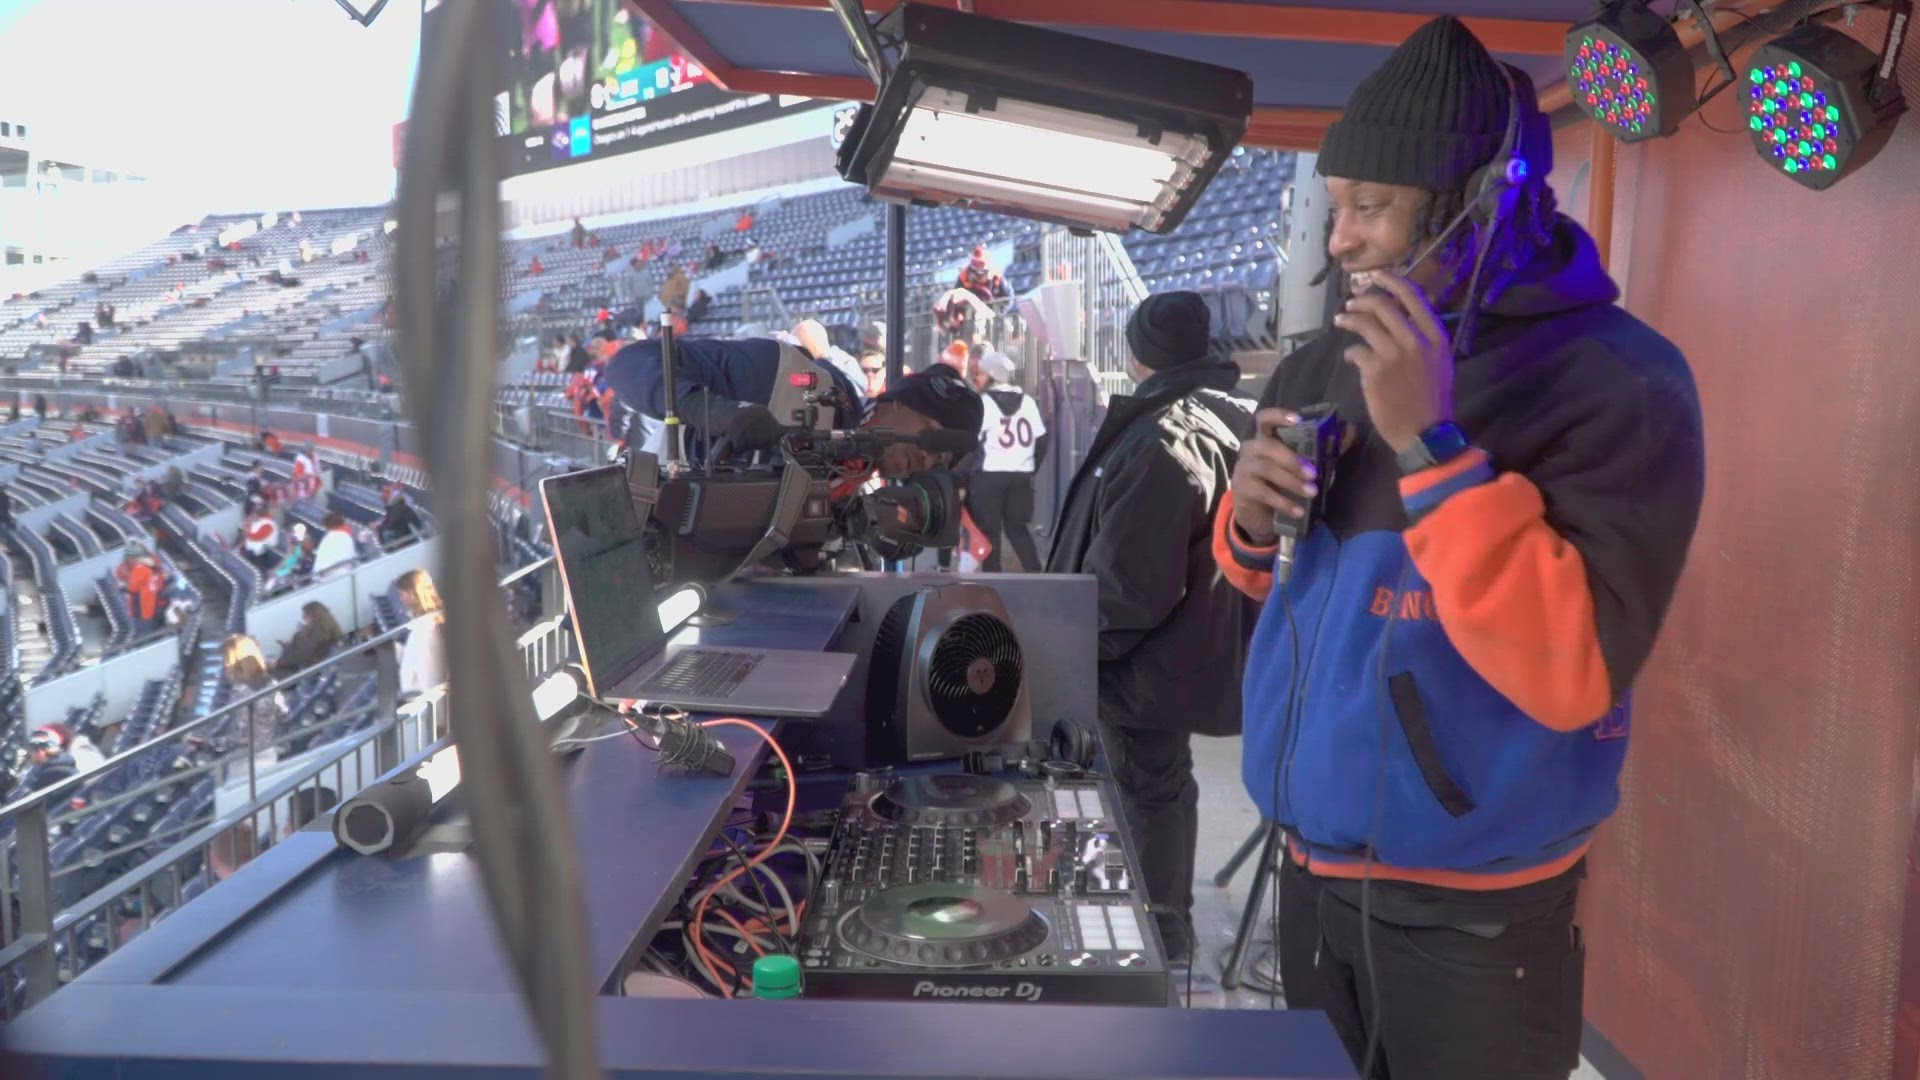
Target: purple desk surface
x=310, y=962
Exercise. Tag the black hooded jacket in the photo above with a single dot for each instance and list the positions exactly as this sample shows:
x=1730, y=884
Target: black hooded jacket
x=1138, y=517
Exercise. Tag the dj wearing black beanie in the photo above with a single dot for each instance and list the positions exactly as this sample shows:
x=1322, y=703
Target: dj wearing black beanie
x=1437, y=699
x=1139, y=518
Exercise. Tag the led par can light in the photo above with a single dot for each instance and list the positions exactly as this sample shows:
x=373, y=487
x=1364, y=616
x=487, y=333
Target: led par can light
x=1810, y=104
x=1628, y=70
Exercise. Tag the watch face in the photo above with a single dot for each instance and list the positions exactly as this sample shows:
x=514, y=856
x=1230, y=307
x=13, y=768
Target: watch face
x=1443, y=442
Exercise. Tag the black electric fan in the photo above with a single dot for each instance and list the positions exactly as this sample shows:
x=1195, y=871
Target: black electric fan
x=947, y=676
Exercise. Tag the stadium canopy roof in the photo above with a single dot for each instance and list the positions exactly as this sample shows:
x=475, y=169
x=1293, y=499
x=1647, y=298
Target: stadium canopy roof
x=1304, y=60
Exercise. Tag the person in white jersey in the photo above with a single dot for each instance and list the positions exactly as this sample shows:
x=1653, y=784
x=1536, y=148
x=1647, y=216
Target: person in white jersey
x=1013, y=443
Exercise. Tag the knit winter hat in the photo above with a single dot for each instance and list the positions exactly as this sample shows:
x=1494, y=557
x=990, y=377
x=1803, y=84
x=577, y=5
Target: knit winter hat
x=1169, y=329
x=1434, y=113
x=940, y=394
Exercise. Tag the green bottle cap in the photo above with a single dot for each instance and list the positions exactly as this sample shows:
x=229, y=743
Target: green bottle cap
x=776, y=977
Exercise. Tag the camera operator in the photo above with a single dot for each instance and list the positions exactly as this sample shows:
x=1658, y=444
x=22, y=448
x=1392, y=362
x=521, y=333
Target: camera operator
x=936, y=398
x=731, y=372
x=1139, y=517
x=1436, y=698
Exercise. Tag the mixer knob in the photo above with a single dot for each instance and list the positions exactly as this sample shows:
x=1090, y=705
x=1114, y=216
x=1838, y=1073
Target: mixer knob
x=1085, y=959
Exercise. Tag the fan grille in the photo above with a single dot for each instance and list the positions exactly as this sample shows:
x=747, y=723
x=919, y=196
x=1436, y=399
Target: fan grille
x=974, y=677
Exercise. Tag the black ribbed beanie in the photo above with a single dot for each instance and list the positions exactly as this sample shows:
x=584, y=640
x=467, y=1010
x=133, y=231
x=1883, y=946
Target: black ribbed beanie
x=1430, y=116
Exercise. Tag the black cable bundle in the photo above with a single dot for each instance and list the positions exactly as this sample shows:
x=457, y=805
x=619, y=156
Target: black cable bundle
x=682, y=743
x=450, y=347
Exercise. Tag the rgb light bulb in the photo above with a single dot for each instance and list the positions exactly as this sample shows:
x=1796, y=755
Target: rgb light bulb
x=1809, y=111
x=1628, y=70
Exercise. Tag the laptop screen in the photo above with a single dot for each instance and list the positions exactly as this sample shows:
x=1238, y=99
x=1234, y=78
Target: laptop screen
x=603, y=561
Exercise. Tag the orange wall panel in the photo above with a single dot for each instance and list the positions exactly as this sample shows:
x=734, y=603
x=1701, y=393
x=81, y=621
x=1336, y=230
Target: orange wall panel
x=1747, y=907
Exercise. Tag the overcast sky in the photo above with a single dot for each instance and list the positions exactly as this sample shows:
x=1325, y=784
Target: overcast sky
x=258, y=104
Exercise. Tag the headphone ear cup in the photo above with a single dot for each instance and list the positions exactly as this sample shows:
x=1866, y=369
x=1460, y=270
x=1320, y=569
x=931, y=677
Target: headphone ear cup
x=1072, y=741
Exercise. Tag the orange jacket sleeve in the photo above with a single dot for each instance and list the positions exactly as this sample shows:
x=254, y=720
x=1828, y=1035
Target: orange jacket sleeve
x=1248, y=567
x=1512, y=593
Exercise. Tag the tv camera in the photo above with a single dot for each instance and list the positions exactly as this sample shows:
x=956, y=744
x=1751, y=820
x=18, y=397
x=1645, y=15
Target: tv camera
x=775, y=484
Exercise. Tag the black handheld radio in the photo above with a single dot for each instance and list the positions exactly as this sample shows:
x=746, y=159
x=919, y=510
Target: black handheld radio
x=1317, y=439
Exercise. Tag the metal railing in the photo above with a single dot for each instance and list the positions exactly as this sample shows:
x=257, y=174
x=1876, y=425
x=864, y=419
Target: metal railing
x=47, y=944
x=553, y=431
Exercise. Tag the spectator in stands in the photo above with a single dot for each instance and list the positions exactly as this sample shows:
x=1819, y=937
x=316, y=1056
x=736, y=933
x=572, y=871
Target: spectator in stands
x=319, y=634
x=256, y=486
x=336, y=551
x=270, y=442
x=153, y=424
x=1013, y=446
x=423, y=661
x=697, y=307
x=960, y=312
x=955, y=356
x=534, y=267
x=673, y=292
x=51, y=763
x=175, y=483
x=401, y=521
x=83, y=334
x=714, y=258
x=745, y=222
x=306, y=473
x=577, y=358
x=144, y=581
x=40, y=406
x=981, y=279
x=299, y=556
x=86, y=756
x=579, y=234
x=246, y=668
x=260, y=539
x=1139, y=517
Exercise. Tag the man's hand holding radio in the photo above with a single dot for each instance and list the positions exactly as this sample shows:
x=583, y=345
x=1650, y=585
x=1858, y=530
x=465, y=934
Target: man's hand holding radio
x=1269, y=478
x=1405, y=360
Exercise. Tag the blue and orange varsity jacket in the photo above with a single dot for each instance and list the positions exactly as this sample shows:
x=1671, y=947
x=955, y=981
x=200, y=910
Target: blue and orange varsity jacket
x=1444, y=679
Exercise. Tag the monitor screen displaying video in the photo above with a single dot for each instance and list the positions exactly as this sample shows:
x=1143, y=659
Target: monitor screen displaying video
x=587, y=79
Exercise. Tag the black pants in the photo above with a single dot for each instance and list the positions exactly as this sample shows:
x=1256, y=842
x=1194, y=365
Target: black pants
x=1161, y=798
x=1454, y=1004
x=1003, y=501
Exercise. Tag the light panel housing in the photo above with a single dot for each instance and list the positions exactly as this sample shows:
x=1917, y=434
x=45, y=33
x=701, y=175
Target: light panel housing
x=1628, y=69
x=1034, y=123
x=1810, y=109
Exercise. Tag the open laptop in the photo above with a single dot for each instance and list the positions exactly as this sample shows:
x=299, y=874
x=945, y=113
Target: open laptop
x=598, y=541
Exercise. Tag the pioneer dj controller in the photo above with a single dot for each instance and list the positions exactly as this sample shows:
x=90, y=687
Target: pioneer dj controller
x=958, y=887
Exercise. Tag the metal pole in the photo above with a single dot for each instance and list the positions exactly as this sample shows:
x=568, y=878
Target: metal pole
x=1303, y=305
x=386, y=683
x=36, y=898
x=896, y=292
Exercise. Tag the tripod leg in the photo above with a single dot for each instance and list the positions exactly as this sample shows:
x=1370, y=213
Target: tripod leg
x=1240, y=855
x=1250, y=915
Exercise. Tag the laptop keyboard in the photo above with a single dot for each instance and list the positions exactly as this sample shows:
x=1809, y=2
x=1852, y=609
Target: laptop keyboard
x=697, y=673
